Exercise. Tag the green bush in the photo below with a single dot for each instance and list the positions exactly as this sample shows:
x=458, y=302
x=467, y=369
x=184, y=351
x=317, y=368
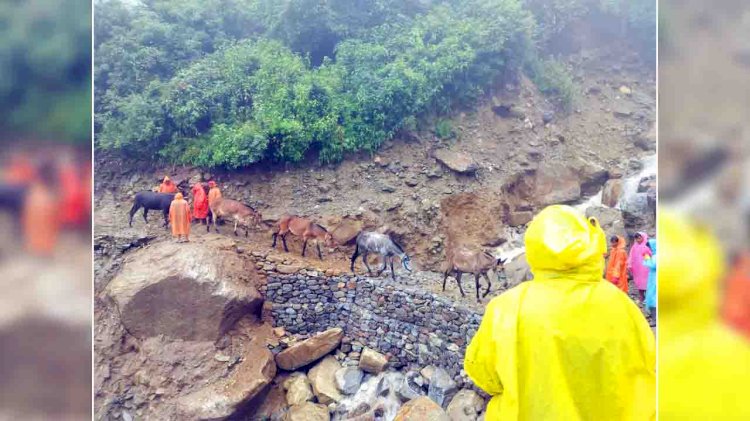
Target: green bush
x=553, y=79
x=444, y=129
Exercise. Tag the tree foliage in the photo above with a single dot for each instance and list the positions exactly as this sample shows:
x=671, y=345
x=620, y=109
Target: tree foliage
x=45, y=59
x=233, y=82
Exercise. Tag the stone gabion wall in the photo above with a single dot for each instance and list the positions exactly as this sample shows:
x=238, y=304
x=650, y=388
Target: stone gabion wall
x=416, y=328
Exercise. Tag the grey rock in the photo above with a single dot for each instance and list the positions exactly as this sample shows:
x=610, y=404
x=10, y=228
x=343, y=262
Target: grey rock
x=348, y=379
x=441, y=387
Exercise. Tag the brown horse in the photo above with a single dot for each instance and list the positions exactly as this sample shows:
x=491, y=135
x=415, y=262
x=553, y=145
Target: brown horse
x=302, y=227
x=241, y=214
x=462, y=259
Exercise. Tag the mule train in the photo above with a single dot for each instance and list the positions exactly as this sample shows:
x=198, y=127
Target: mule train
x=460, y=260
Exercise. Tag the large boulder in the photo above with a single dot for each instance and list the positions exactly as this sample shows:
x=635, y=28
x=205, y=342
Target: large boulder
x=308, y=411
x=309, y=350
x=465, y=406
x=592, y=176
x=421, y=409
x=372, y=361
x=610, y=219
x=323, y=380
x=550, y=184
x=456, y=161
x=224, y=397
x=298, y=389
x=612, y=192
x=191, y=291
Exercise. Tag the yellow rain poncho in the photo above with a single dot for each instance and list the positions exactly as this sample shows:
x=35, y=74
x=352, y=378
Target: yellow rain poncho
x=703, y=364
x=566, y=345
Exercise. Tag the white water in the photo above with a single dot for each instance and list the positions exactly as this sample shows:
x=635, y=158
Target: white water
x=630, y=198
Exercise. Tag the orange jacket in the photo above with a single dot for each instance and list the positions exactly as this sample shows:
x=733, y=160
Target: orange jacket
x=617, y=266
x=179, y=216
x=167, y=186
x=736, y=309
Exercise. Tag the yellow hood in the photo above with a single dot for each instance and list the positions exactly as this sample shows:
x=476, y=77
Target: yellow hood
x=562, y=243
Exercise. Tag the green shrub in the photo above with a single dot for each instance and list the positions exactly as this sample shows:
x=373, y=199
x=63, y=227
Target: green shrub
x=552, y=78
x=444, y=129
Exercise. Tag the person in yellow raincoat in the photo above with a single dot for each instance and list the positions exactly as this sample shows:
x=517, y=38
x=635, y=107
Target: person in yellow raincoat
x=703, y=362
x=566, y=345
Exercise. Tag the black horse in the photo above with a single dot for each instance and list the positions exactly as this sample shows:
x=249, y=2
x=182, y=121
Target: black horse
x=149, y=200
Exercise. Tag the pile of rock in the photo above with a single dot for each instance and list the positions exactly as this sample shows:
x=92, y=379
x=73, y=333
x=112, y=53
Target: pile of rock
x=322, y=388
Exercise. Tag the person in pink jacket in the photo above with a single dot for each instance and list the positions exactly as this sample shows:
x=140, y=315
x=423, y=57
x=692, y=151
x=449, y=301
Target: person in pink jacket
x=638, y=251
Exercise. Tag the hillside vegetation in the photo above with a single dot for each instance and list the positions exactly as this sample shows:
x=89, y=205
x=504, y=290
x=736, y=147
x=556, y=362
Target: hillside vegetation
x=45, y=61
x=228, y=83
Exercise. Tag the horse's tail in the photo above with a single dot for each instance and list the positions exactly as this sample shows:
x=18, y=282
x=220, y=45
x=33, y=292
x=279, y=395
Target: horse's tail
x=356, y=251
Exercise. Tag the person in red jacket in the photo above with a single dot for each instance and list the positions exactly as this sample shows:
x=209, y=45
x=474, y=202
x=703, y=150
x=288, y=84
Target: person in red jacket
x=73, y=196
x=200, y=203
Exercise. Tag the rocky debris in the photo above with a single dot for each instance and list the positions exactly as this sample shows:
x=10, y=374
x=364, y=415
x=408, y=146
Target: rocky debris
x=465, y=406
x=323, y=380
x=548, y=116
x=308, y=411
x=421, y=409
x=376, y=399
x=158, y=283
x=298, y=389
x=441, y=387
x=309, y=350
x=518, y=218
x=646, y=142
x=268, y=405
x=509, y=111
x=622, y=110
x=647, y=183
x=348, y=379
x=456, y=161
x=372, y=361
x=224, y=397
x=412, y=387
x=612, y=192
x=517, y=270
x=610, y=219
x=427, y=372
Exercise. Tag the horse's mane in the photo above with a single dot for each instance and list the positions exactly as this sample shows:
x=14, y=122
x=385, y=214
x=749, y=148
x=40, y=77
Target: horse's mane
x=398, y=246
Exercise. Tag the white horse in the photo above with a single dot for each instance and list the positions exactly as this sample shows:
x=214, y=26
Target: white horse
x=373, y=242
